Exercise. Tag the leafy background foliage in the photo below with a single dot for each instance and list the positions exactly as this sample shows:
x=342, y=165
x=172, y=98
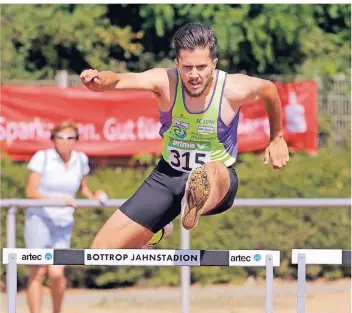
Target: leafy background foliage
x=252, y=38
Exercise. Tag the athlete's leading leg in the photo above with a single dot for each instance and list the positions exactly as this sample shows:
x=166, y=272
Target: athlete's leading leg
x=206, y=188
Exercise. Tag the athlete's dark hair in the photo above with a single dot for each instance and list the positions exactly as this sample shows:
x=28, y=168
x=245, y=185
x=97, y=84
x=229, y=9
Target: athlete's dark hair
x=192, y=36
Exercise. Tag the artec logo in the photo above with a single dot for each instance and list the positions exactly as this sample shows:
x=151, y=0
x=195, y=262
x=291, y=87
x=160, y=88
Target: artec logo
x=48, y=256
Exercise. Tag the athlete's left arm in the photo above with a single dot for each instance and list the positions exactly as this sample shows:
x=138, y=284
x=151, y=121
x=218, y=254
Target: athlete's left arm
x=243, y=89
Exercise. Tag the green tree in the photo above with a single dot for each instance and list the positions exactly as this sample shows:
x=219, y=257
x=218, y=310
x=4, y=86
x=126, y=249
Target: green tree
x=39, y=39
x=328, y=46
x=259, y=38
x=253, y=38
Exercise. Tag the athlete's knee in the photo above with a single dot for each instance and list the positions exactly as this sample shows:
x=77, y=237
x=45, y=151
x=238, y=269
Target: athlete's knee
x=214, y=165
x=216, y=170
x=211, y=168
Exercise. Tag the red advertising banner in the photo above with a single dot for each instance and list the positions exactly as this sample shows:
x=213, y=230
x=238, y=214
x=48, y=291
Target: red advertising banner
x=125, y=123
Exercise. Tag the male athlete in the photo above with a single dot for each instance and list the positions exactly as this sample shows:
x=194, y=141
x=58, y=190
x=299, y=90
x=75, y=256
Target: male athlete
x=199, y=112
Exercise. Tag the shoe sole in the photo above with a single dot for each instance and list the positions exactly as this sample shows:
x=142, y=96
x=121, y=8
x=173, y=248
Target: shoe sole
x=197, y=193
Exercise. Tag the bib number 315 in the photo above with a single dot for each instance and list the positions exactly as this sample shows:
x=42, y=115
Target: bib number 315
x=187, y=160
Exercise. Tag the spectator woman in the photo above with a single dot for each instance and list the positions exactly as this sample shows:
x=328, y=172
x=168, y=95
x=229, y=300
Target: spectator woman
x=56, y=173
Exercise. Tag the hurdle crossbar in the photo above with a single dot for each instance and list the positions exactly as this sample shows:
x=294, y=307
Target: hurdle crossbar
x=139, y=257
x=303, y=257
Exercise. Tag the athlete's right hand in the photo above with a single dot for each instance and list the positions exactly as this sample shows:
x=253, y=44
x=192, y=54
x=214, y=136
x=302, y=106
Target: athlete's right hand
x=96, y=81
x=90, y=79
x=99, y=81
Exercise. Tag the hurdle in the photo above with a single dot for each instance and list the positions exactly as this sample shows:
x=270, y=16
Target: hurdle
x=303, y=257
x=139, y=257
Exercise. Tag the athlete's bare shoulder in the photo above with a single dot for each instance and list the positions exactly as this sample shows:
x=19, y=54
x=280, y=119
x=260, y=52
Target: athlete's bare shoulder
x=156, y=78
x=159, y=73
x=241, y=89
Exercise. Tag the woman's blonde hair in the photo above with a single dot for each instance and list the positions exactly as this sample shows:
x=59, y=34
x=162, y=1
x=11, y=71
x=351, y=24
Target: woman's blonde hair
x=63, y=125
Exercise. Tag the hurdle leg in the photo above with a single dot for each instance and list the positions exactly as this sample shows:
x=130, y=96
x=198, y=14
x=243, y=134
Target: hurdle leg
x=301, y=283
x=11, y=283
x=269, y=284
x=185, y=273
x=185, y=288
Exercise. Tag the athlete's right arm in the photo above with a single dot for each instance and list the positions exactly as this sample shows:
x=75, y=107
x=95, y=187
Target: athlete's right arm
x=154, y=80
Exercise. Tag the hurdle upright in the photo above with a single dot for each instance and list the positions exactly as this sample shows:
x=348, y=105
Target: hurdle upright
x=302, y=257
x=140, y=257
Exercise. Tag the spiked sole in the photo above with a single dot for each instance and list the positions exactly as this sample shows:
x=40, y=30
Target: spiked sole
x=197, y=193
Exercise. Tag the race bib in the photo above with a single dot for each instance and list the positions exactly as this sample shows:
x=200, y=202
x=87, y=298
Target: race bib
x=185, y=156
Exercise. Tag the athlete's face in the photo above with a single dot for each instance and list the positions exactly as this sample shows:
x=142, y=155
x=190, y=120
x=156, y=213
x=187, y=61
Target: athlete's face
x=196, y=70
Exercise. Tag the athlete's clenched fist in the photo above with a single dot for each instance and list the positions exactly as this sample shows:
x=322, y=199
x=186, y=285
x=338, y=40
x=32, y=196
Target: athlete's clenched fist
x=98, y=81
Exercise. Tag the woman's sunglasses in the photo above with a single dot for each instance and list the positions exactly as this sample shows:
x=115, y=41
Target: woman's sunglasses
x=66, y=136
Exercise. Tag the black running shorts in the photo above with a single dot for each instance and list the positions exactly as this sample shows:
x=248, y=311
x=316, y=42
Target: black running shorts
x=157, y=201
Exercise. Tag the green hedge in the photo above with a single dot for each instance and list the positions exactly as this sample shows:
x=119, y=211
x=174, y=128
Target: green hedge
x=324, y=175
